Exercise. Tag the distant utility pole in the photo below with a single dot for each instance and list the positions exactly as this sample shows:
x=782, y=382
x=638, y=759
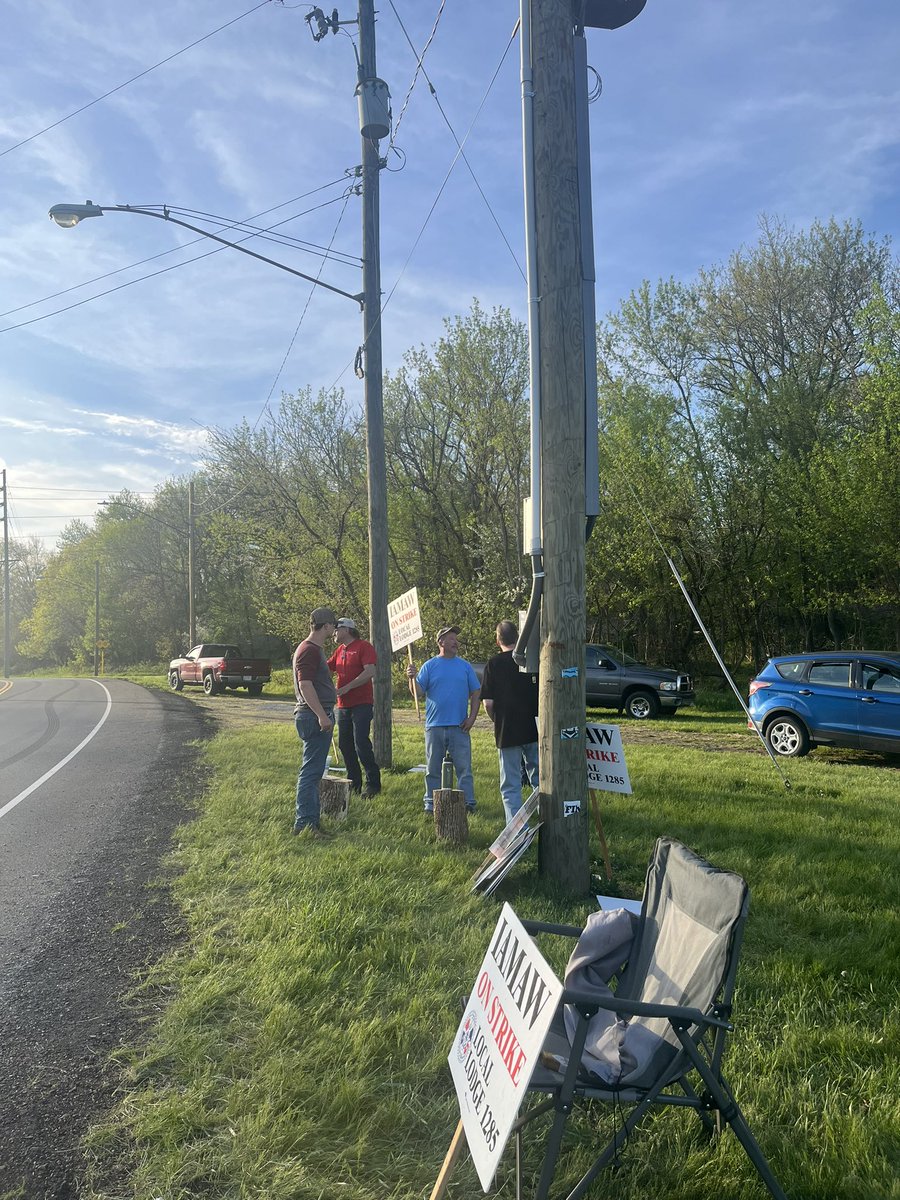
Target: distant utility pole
x=96, y=617
x=6, y=596
x=375, y=118
x=192, y=618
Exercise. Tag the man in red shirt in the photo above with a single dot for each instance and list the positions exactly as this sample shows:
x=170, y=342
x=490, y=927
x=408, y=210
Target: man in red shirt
x=354, y=661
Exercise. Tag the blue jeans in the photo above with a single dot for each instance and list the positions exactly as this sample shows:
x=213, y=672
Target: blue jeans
x=356, y=746
x=312, y=767
x=512, y=760
x=438, y=740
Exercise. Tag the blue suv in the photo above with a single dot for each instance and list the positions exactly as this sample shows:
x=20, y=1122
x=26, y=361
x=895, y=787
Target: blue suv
x=829, y=698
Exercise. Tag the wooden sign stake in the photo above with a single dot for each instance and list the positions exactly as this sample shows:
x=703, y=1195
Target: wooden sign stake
x=450, y=1161
x=595, y=808
x=415, y=691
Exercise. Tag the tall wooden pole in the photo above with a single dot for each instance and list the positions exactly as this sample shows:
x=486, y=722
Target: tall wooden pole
x=563, y=782
x=192, y=616
x=96, y=616
x=375, y=460
x=6, y=595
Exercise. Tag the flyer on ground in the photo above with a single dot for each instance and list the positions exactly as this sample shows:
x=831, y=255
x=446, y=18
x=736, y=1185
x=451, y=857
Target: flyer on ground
x=499, y=1039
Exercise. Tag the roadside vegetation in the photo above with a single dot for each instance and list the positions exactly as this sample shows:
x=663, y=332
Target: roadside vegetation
x=749, y=413
x=296, y=1044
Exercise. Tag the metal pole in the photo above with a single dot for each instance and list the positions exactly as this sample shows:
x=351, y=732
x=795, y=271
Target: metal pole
x=96, y=615
x=6, y=596
x=375, y=460
x=192, y=621
x=563, y=838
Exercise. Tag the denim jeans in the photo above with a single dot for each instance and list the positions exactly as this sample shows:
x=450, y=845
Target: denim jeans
x=356, y=746
x=512, y=760
x=312, y=767
x=438, y=740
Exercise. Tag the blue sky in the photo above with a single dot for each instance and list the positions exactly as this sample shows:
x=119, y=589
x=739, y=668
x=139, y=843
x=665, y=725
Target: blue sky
x=712, y=112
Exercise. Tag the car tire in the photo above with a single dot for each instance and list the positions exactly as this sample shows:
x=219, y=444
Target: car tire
x=642, y=705
x=254, y=689
x=175, y=681
x=209, y=684
x=787, y=737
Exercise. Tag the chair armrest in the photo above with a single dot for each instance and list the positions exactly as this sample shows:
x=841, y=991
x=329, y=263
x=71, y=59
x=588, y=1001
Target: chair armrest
x=640, y=1008
x=545, y=927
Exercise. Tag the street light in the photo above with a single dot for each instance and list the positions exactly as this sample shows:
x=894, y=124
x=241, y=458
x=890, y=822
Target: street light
x=369, y=300
x=67, y=216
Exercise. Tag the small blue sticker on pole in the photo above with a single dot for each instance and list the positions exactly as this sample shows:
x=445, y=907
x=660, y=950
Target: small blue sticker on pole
x=569, y=672
x=569, y=734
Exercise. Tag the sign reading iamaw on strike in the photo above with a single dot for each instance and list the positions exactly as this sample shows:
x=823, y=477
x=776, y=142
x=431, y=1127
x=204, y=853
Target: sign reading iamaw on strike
x=499, y=1039
x=404, y=619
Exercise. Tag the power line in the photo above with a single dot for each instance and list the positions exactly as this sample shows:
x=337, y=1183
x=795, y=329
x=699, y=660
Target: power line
x=419, y=62
x=459, y=144
x=302, y=315
x=439, y=192
x=134, y=78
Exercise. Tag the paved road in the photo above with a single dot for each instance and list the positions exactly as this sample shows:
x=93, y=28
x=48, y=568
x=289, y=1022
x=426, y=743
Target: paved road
x=93, y=779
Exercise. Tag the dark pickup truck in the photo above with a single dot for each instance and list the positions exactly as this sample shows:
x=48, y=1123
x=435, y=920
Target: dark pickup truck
x=216, y=667
x=616, y=680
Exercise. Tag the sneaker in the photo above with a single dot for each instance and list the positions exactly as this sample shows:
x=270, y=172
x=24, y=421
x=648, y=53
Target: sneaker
x=429, y=808
x=369, y=792
x=470, y=808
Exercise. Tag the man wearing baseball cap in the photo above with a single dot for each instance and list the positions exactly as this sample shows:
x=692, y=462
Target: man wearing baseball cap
x=354, y=661
x=452, y=693
x=313, y=716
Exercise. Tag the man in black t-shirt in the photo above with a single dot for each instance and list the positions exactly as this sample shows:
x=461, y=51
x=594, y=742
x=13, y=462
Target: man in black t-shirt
x=511, y=701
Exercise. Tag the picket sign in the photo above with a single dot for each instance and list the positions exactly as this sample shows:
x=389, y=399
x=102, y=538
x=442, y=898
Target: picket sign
x=499, y=1041
x=405, y=623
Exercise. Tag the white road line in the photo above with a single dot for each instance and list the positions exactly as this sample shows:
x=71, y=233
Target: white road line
x=59, y=766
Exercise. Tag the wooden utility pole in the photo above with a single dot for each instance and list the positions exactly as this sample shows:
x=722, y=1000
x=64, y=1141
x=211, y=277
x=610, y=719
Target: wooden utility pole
x=192, y=616
x=563, y=779
x=375, y=460
x=6, y=595
x=96, y=616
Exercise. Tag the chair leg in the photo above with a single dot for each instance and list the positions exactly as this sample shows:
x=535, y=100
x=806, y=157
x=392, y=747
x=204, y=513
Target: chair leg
x=731, y=1113
x=706, y=1121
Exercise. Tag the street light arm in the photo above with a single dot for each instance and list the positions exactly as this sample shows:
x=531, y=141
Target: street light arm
x=69, y=215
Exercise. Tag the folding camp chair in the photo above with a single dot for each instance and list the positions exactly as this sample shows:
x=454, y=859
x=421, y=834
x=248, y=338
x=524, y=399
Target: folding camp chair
x=667, y=1020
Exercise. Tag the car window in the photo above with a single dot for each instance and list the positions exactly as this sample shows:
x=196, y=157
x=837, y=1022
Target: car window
x=832, y=674
x=791, y=670
x=878, y=677
x=591, y=656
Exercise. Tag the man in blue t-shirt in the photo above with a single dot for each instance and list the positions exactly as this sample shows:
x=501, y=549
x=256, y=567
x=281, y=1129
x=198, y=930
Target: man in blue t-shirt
x=452, y=693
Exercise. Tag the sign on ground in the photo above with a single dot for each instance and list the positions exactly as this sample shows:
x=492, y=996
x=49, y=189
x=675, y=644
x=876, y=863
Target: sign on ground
x=499, y=1039
x=606, y=769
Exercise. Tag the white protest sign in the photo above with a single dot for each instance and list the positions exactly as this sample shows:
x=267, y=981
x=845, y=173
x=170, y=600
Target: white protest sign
x=404, y=619
x=498, y=1042
x=606, y=769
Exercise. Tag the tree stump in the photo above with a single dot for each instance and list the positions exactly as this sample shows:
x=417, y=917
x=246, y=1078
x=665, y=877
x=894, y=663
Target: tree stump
x=451, y=822
x=334, y=796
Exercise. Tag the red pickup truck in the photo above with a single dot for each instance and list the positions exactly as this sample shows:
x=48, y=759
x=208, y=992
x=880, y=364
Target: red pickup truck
x=216, y=667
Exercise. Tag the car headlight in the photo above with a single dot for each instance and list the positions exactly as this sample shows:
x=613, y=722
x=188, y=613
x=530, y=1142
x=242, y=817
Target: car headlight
x=667, y=686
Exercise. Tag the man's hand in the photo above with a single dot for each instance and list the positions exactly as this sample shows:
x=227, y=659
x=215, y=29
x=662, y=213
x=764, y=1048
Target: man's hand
x=325, y=723
x=468, y=723
x=410, y=671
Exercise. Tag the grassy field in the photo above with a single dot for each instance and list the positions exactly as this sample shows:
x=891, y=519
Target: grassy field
x=296, y=1046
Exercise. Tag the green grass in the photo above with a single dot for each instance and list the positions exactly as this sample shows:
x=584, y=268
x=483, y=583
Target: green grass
x=296, y=1045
